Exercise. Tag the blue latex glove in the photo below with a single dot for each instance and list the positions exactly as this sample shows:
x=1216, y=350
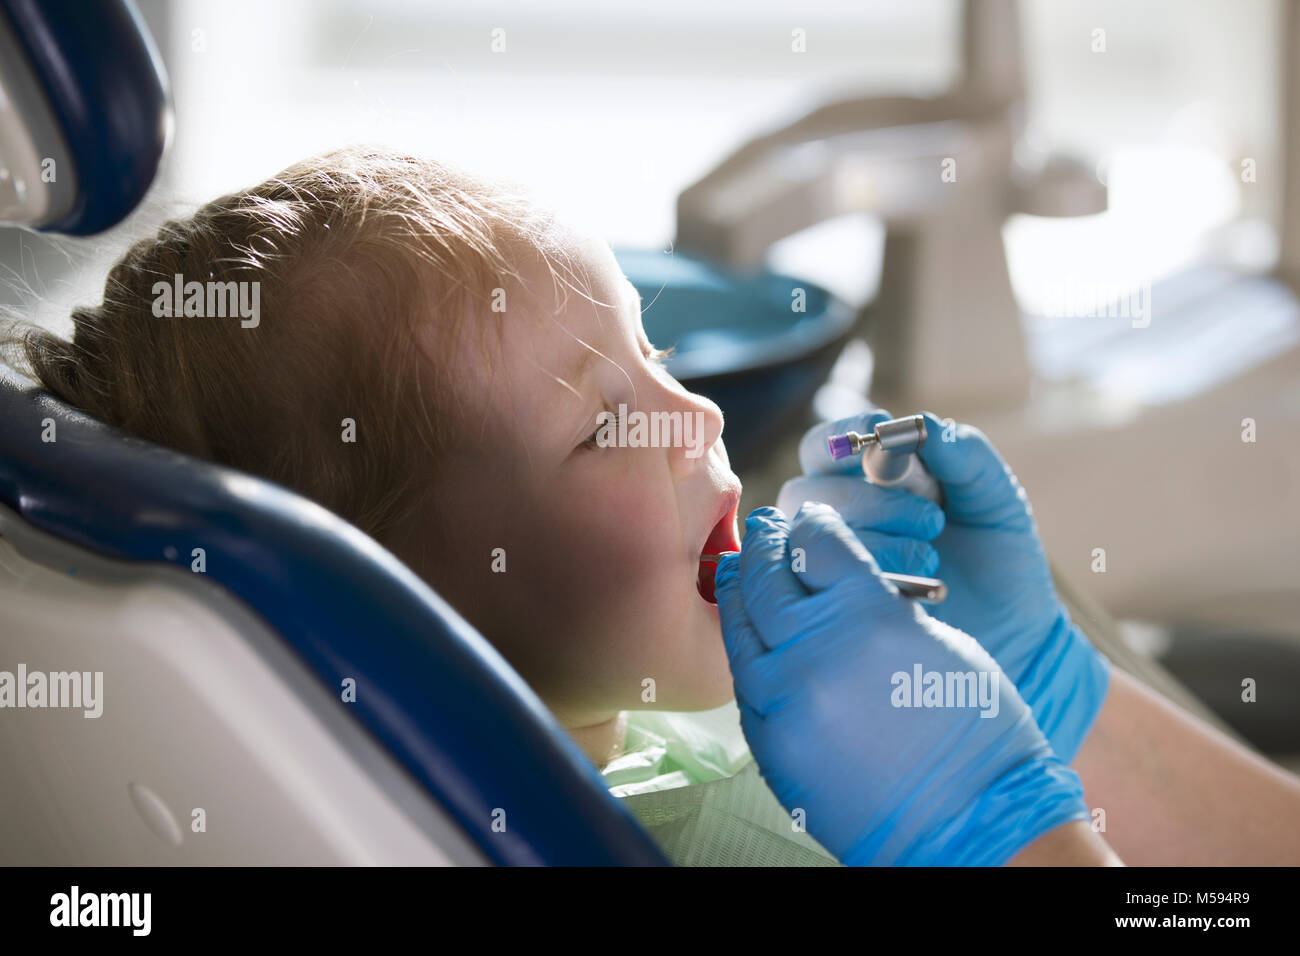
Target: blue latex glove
x=814, y=650
x=1000, y=587
x=895, y=526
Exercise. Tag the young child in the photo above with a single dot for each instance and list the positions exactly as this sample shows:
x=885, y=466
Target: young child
x=472, y=344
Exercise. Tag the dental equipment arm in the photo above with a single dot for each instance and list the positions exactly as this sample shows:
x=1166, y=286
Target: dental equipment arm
x=819, y=659
x=944, y=173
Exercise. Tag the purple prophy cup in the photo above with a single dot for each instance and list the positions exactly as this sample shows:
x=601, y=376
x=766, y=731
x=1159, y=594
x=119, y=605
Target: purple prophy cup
x=840, y=446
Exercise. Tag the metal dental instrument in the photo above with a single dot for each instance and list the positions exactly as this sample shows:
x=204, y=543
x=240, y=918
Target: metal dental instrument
x=925, y=590
x=889, y=456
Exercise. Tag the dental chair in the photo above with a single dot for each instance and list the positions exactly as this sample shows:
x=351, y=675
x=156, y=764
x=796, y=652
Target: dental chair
x=277, y=687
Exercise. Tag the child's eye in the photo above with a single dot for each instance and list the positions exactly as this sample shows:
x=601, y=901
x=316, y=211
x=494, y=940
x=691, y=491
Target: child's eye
x=609, y=420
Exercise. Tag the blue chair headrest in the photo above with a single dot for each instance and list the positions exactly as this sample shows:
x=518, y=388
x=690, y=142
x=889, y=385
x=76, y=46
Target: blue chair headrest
x=88, y=88
x=431, y=689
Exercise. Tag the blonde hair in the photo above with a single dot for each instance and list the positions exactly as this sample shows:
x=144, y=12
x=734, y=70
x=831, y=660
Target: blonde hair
x=359, y=254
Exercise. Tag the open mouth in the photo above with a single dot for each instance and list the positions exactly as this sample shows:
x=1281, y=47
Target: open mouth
x=722, y=538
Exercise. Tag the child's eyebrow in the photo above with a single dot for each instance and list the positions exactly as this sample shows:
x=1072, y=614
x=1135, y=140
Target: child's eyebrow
x=639, y=325
x=584, y=364
x=627, y=284
x=589, y=355
x=581, y=367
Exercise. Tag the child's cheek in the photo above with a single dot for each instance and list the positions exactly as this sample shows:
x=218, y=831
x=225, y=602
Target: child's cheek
x=626, y=534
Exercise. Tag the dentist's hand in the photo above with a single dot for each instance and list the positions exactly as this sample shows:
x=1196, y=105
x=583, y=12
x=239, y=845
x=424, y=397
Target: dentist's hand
x=823, y=654
x=999, y=584
x=895, y=526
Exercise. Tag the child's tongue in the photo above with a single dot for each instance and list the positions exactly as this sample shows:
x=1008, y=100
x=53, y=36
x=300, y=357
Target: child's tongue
x=721, y=540
x=705, y=582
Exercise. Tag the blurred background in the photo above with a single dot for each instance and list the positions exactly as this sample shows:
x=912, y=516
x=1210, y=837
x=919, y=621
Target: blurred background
x=1108, y=157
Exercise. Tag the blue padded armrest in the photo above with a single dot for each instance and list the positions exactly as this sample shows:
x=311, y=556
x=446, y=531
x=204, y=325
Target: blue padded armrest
x=430, y=688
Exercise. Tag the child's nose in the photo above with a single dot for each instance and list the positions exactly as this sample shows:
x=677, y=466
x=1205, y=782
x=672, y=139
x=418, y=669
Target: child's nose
x=701, y=428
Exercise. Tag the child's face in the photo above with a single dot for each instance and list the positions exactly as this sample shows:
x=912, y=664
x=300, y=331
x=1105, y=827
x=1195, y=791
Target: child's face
x=597, y=606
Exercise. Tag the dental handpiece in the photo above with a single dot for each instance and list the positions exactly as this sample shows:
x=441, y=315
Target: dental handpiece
x=925, y=590
x=889, y=456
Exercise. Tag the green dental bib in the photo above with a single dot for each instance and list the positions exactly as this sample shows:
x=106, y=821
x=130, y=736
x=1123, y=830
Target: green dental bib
x=691, y=781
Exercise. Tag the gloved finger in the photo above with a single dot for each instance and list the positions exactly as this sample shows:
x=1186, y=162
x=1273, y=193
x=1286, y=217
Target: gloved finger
x=754, y=728
x=839, y=623
x=865, y=506
x=762, y=679
x=815, y=456
x=751, y=669
x=773, y=746
x=900, y=554
x=979, y=488
x=770, y=591
x=751, y=725
x=824, y=551
x=763, y=741
x=738, y=634
x=765, y=684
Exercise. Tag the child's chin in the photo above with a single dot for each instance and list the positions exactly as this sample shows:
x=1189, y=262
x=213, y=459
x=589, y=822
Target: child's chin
x=699, y=698
x=724, y=694
x=712, y=682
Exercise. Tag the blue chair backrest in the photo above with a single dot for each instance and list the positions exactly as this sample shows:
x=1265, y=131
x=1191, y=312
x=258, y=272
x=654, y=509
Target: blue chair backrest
x=429, y=687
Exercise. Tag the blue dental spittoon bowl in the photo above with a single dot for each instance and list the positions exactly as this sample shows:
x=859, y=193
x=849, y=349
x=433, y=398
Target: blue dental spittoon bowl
x=758, y=344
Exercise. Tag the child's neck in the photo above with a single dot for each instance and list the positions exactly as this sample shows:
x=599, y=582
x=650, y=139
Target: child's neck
x=602, y=742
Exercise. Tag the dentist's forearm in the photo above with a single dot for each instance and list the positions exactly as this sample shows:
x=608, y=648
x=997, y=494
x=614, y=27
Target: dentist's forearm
x=1073, y=844
x=1176, y=792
